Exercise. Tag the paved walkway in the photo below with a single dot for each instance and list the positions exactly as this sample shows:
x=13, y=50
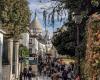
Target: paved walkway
x=41, y=78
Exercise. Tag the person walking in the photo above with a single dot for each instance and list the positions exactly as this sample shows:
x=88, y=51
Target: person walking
x=25, y=73
x=30, y=74
x=70, y=74
x=21, y=76
x=77, y=77
x=64, y=75
x=62, y=67
x=55, y=76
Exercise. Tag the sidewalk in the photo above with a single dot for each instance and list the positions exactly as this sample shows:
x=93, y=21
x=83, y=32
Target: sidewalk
x=41, y=78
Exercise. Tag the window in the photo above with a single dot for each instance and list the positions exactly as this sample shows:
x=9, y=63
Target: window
x=30, y=50
x=30, y=41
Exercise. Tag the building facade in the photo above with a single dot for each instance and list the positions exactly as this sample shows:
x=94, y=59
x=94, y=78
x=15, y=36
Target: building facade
x=35, y=30
x=1, y=51
x=25, y=39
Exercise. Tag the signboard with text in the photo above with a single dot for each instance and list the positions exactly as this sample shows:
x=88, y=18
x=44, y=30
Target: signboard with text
x=33, y=60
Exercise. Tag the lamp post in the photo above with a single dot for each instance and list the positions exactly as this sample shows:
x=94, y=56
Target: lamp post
x=78, y=19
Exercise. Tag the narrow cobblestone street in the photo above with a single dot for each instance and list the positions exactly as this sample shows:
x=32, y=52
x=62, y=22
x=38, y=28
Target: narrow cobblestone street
x=49, y=39
x=41, y=78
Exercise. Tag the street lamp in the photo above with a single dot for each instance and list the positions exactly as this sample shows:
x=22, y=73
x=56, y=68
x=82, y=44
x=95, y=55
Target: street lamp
x=78, y=19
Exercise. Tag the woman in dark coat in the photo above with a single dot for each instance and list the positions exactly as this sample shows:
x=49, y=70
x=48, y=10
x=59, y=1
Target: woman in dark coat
x=30, y=74
x=64, y=75
x=25, y=73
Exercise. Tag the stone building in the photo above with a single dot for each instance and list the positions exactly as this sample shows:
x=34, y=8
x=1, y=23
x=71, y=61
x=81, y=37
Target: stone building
x=25, y=39
x=10, y=58
x=1, y=51
x=38, y=41
x=35, y=32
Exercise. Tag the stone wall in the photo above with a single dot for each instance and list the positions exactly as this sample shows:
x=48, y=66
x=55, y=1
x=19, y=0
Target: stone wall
x=1, y=49
x=1, y=45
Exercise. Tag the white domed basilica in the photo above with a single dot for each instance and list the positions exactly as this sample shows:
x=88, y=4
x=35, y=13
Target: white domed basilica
x=38, y=42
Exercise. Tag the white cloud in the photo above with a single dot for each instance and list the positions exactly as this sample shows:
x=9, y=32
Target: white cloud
x=36, y=5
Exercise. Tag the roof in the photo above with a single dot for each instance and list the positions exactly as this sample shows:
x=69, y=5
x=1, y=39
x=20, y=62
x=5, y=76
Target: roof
x=35, y=25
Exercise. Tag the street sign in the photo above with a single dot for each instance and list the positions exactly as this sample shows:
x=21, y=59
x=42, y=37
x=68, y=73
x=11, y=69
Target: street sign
x=33, y=60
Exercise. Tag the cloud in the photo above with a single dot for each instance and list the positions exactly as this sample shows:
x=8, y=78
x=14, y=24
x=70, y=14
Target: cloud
x=36, y=5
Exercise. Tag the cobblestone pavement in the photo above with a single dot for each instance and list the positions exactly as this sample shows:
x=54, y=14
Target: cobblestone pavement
x=41, y=78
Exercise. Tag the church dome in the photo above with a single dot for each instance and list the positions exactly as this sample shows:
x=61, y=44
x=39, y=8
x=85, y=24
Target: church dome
x=35, y=25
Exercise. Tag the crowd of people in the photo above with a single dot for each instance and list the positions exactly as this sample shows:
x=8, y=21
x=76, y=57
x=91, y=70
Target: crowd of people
x=52, y=69
x=56, y=71
x=27, y=74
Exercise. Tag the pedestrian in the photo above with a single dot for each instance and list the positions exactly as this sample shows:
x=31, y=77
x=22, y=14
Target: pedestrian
x=52, y=64
x=70, y=74
x=64, y=75
x=30, y=68
x=40, y=68
x=77, y=77
x=44, y=70
x=25, y=73
x=55, y=76
x=62, y=67
x=21, y=75
x=30, y=74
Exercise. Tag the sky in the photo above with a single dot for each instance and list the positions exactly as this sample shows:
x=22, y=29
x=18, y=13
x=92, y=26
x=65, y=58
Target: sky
x=35, y=5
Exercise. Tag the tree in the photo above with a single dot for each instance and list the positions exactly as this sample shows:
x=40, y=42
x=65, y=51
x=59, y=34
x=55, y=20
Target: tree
x=83, y=7
x=65, y=41
x=92, y=58
x=15, y=16
x=89, y=42
x=23, y=51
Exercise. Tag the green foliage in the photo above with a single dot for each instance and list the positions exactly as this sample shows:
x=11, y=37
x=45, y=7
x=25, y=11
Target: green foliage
x=84, y=7
x=96, y=24
x=96, y=32
x=80, y=5
x=23, y=51
x=65, y=41
x=15, y=16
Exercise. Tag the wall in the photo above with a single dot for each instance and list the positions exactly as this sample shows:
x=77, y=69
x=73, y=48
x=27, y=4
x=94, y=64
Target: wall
x=1, y=45
x=25, y=39
x=35, y=45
